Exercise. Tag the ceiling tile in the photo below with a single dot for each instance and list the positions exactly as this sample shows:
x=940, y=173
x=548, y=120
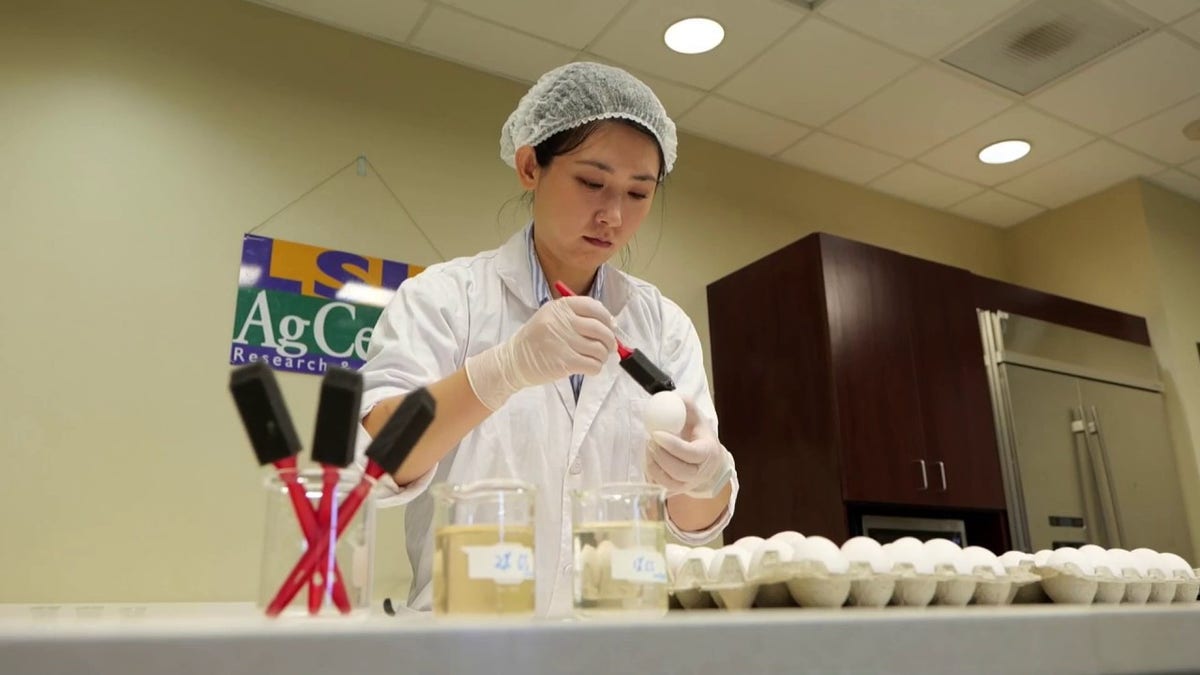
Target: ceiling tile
x=574, y=23
x=1180, y=182
x=1162, y=136
x=741, y=127
x=826, y=70
x=1193, y=168
x=917, y=112
x=676, y=98
x=390, y=20
x=996, y=209
x=1079, y=174
x=1050, y=139
x=926, y=28
x=827, y=154
x=485, y=46
x=1137, y=81
x=924, y=186
x=636, y=38
x=1165, y=11
x=1190, y=27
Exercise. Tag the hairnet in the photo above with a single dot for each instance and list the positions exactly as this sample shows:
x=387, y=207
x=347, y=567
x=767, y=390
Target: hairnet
x=582, y=92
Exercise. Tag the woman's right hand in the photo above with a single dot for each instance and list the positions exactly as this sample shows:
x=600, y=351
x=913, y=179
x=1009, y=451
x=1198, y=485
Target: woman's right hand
x=567, y=336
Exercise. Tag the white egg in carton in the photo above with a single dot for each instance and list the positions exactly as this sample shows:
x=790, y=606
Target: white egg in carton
x=1091, y=574
x=790, y=569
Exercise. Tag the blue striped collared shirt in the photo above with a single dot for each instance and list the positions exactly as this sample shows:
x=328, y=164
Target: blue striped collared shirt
x=541, y=291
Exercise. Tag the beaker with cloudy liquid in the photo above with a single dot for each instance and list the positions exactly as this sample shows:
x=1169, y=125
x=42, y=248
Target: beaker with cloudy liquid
x=620, y=549
x=483, y=548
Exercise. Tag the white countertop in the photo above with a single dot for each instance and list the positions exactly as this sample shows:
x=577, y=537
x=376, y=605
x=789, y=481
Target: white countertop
x=186, y=639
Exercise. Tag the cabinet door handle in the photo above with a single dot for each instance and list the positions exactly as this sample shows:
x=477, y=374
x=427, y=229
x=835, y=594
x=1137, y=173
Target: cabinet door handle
x=942, y=470
x=924, y=476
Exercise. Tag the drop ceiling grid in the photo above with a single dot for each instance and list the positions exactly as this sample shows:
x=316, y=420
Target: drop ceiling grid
x=717, y=110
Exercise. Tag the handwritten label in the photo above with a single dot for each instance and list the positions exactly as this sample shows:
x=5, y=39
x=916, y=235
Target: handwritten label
x=502, y=563
x=640, y=565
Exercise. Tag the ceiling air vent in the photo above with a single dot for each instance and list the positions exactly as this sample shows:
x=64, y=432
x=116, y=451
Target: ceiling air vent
x=1044, y=41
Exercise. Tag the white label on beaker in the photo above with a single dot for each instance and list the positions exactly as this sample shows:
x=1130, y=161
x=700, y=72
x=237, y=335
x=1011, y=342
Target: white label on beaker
x=503, y=563
x=641, y=565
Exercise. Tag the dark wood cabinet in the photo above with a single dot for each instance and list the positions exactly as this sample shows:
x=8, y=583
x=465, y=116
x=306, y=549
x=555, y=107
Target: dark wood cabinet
x=849, y=374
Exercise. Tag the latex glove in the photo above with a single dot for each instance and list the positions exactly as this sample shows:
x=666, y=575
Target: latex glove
x=567, y=336
x=693, y=463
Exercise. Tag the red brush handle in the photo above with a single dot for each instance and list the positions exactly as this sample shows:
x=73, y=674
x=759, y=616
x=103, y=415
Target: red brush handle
x=312, y=557
x=316, y=587
x=622, y=351
x=309, y=524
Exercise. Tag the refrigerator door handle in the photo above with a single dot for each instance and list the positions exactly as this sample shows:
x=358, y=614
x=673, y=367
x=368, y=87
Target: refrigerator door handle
x=942, y=470
x=924, y=476
x=1079, y=428
x=1104, y=481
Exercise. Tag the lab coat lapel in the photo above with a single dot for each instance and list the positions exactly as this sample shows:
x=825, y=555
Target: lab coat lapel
x=597, y=388
x=591, y=398
x=567, y=395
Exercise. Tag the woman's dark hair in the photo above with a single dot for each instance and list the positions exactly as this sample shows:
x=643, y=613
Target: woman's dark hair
x=566, y=141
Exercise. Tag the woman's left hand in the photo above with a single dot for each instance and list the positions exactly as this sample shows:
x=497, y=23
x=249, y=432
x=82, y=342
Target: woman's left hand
x=693, y=463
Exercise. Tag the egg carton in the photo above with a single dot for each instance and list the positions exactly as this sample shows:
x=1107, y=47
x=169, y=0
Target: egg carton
x=1093, y=575
x=1070, y=584
x=740, y=577
x=790, y=570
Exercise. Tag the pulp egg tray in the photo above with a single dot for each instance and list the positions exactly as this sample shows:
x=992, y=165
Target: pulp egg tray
x=738, y=577
x=791, y=570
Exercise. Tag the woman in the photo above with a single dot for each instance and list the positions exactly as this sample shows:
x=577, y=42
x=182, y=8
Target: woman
x=527, y=383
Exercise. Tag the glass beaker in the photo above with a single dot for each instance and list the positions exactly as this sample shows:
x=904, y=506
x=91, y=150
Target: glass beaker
x=620, y=549
x=284, y=542
x=483, y=561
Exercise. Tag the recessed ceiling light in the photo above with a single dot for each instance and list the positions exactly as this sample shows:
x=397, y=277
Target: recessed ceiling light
x=694, y=36
x=1004, y=152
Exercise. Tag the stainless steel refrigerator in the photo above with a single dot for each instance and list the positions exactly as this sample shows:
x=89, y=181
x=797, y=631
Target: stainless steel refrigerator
x=1084, y=443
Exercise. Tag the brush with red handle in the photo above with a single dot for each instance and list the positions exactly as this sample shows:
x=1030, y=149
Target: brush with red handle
x=637, y=364
x=385, y=455
x=333, y=449
x=273, y=436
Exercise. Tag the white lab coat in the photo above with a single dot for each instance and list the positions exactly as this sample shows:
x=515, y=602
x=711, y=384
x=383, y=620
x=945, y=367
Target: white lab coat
x=541, y=435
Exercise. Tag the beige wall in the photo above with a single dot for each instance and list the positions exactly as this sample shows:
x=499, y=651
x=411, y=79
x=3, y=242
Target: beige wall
x=1134, y=247
x=1173, y=222
x=140, y=139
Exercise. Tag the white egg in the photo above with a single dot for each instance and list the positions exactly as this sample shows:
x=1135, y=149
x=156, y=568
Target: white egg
x=1015, y=558
x=724, y=553
x=820, y=549
x=1070, y=555
x=1149, y=558
x=665, y=412
x=676, y=554
x=908, y=551
x=978, y=556
x=1097, y=557
x=749, y=543
x=1173, y=563
x=1124, y=560
x=1042, y=556
x=782, y=550
x=945, y=552
x=701, y=553
x=867, y=550
x=788, y=537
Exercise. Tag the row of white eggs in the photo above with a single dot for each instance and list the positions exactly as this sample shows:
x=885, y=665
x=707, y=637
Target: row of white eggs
x=1095, y=560
x=924, y=557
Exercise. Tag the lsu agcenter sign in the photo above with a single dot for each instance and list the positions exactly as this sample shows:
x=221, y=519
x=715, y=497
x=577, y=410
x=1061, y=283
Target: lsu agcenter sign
x=304, y=308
